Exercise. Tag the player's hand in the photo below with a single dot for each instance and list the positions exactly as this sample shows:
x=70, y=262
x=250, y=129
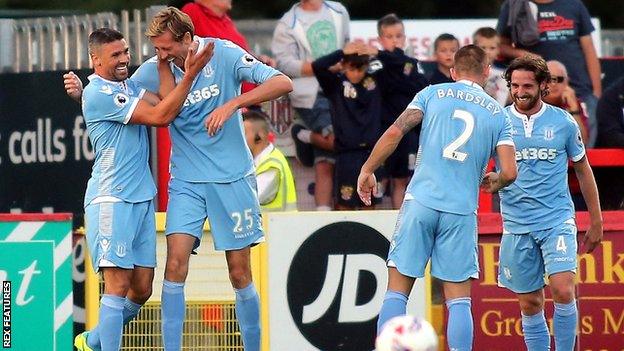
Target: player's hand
x=73, y=85
x=490, y=182
x=366, y=186
x=593, y=237
x=194, y=63
x=219, y=116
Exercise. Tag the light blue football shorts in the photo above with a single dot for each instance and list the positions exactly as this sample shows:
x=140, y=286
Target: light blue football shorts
x=526, y=258
x=121, y=234
x=232, y=209
x=449, y=239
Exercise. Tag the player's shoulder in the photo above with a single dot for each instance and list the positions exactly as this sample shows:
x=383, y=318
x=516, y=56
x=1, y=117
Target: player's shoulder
x=559, y=114
x=148, y=67
x=99, y=86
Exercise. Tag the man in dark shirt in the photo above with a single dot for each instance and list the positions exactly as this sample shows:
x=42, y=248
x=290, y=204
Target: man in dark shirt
x=355, y=98
x=565, y=35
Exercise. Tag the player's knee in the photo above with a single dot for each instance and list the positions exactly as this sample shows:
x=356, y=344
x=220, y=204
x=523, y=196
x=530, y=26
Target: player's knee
x=176, y=269
x=240, y=276
x=531, y=304
x=562, y=293
x=141, y=293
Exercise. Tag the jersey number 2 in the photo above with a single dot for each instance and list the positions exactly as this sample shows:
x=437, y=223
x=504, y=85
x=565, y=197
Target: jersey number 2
x=451, y=150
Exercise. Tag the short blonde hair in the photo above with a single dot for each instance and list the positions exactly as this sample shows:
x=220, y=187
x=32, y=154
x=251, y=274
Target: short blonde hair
x=172, y=19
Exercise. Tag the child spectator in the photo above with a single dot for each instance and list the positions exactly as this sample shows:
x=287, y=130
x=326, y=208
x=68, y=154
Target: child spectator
x=487, y=39
x=444, y=48
x=355, y=104
x=401, y=80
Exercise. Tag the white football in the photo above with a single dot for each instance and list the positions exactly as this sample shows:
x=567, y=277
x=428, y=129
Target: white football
x=407, y=333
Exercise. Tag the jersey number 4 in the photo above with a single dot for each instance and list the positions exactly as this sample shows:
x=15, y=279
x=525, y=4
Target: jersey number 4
x=451, y=151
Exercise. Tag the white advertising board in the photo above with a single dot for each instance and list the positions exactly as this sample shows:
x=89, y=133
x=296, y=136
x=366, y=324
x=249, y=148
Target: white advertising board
x=421, y=33
x=327, y=279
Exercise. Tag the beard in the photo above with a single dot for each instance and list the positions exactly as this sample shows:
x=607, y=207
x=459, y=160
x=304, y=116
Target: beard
x=527, y=102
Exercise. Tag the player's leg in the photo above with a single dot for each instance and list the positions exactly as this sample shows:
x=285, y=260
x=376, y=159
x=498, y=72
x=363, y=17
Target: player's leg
x=455, y=261
x=460, y=327
x=521, y=270
x=395, y=300
x=144, y=252
x=112, y=228
x=186, y=214
x=559, y=250
x=409, y=253
x=247, y=299
x=236, y=225
x=173, y=304
x=110, y=322
x=534, y=327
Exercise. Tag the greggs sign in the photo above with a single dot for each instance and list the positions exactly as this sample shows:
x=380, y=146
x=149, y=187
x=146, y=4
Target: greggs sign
x=600, y=294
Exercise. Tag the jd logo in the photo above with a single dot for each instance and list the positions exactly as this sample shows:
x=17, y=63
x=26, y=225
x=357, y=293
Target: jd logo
x=336, y=284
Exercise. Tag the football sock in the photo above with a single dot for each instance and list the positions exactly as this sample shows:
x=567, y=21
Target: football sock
x=394, y=304
x=110, y=323
x=564, y=326
x=459, y=330
x=130, y=311
x=535, y=331
x=173, y=311
x=248, y=315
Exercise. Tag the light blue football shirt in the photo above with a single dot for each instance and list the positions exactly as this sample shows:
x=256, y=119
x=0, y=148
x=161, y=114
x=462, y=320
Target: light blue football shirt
x=540, y=197
x=121, y=166
x=196, y=156
x=461, y=128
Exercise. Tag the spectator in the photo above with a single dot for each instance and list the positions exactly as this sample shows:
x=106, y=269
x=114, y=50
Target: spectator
x=563, y=96
x=403, y=81
x=210, y=19
x=444, y=48
x=487, y=39
x=309, y=30
x=565, y=35
x=355, y=97
x=276, y=184
x=610, y=115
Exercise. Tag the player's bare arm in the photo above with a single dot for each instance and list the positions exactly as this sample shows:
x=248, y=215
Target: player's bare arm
x=494, y=181
x=163, y=113
x=585, y=176
x=274, y=87
x=409, y=119
x=165, y=76
x=384, y=147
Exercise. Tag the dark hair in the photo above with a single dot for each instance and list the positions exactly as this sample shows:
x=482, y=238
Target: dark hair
x=102, y=36
x=388, y=20
x=471, y=59
x=485, y=32
x=355, y=60
x=444, y=37
x=257, y=116
x=531, y=63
